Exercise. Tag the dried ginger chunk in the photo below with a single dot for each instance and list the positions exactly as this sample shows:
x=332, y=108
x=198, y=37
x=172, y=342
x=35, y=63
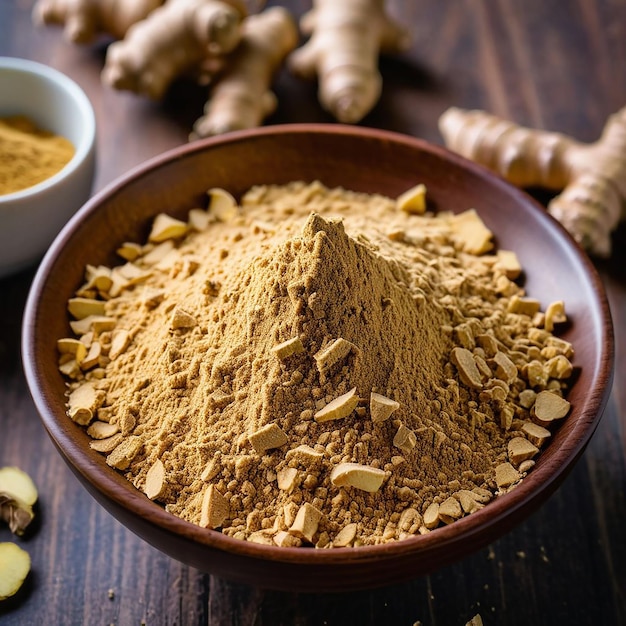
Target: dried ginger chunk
x=222, y=205
x=382, y=407
x=181, y=319
x=467, y=368
x=83, y=403
x=332, y=354
x=124, y=453
x=405, y=439
x=549, y=407
x=431, y=516
x=268, y=437
x=470, y=232
x=80, y=308
x=506, y=475
x=155, y=481
x=362, y=477
x=306, y=523
x=536, y=434
x=345, y=536
x=166, y=227
x=215, y=508
x=338, y=408
x=287, y=348
x=520, y=449
x=450, y=510
x=413, y=200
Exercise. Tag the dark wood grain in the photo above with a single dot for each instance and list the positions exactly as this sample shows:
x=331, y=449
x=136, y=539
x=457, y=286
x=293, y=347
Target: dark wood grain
x=541, y=62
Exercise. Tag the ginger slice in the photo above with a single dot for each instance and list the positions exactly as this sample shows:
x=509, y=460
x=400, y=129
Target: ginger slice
x=106, y=445
x=306, y=523
x=362, y=477
x=102, y=430
x=382, y=407
x=287, y=348
x=338, y=408
x=83, y=403
x=80, y=308
x=14, y=567
x=95, y=323
x=166, y=227
x=549, y=407
x=74, y=347
x=413, y=200
x=18, y=495
x=215, y=508
x=467, y=368
x=332, y=354
x=268, y=437
x=155, y=481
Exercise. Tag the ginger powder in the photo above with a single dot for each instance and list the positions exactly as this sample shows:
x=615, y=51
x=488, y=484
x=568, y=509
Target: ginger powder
x=315, y=367
x=29, y=154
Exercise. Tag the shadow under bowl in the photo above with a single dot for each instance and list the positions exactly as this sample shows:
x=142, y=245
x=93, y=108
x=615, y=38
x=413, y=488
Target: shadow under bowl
x=360, y=159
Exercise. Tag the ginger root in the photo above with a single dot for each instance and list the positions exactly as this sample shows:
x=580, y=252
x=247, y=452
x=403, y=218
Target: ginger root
x=346, y=39
x=84, y=20
x=592, y=176
x=241, y=97
x=18, y=495
x=173, y=39
x=14, y=567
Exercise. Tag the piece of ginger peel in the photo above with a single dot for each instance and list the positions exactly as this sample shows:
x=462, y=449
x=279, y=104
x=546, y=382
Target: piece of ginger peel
x=592, y=176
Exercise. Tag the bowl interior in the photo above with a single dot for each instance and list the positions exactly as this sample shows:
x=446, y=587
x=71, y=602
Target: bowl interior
x=362, y=160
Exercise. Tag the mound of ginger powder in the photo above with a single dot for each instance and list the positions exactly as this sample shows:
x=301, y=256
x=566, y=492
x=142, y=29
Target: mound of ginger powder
x=316, y=366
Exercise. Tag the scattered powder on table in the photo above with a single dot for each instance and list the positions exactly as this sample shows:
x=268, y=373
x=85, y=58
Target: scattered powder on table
x=29, y=154
x=316, y=367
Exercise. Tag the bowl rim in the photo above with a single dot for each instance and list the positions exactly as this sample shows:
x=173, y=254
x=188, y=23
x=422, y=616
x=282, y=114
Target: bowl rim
x=471, y=527
x=86, y=144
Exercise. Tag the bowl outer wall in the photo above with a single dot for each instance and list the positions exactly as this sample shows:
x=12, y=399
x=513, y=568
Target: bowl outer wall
x=365, y=160
x=31, y=218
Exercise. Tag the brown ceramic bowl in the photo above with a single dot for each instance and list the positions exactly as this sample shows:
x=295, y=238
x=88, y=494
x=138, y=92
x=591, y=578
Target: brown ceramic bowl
x=359, y=159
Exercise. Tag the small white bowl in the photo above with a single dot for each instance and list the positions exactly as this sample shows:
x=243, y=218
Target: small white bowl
x=31, y=218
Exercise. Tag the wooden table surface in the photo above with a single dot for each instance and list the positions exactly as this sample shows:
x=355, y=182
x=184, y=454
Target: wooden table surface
x=553, y=64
